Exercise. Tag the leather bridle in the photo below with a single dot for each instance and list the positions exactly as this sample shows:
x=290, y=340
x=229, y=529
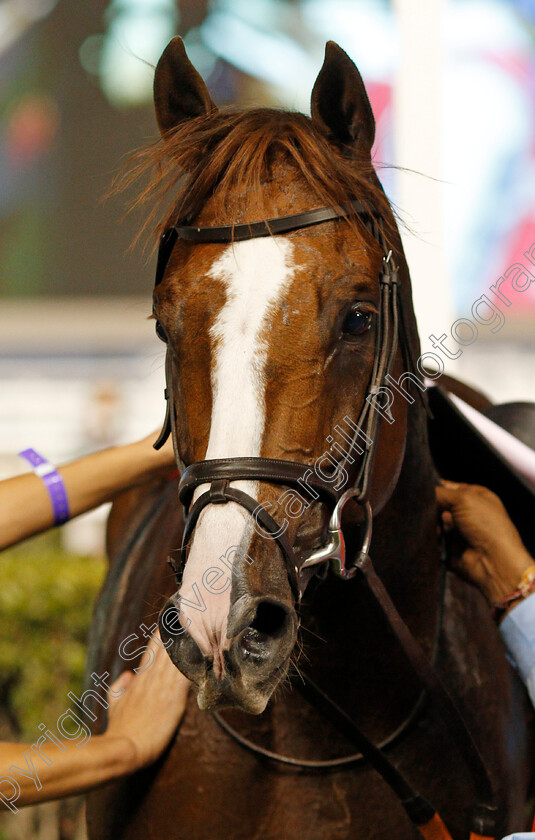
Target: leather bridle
x=219, y=474
x=300, y=477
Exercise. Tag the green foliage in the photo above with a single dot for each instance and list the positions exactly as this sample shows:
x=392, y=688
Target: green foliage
x=46, y=602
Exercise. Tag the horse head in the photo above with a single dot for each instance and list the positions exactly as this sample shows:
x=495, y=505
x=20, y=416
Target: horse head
x=273, y=349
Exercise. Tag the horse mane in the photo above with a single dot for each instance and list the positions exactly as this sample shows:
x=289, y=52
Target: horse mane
x=234, y=151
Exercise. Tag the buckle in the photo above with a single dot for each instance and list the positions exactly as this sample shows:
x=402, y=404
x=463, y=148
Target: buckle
x=390, y=272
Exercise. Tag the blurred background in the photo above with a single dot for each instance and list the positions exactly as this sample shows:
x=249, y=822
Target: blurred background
x=452, y=85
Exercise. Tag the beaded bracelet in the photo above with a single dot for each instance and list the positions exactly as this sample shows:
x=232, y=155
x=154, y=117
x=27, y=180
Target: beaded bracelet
x=53, y=482
x=526, y=586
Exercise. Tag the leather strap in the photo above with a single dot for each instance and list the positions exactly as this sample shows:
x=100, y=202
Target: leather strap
x=269, y=227
x=220, y=492
x=299, y=476
x=417, y=807
x=391, y=739
x=166, y=426
x=167, y=243
x=485, y=815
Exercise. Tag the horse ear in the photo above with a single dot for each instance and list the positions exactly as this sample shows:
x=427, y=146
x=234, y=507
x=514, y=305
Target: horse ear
x=179, y=91
x=340, y=106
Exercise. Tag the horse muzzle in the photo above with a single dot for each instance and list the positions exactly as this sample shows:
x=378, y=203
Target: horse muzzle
x=240, y=669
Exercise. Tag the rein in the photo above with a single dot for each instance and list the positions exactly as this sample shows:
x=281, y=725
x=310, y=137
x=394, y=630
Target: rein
x=220, y=472
x=317, y=698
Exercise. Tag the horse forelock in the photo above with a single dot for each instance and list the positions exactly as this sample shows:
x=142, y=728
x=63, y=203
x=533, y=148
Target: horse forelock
x=233, y=151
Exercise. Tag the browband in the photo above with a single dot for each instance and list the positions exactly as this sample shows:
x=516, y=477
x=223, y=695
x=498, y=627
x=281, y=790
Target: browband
x=269, y=227
x=253, y=230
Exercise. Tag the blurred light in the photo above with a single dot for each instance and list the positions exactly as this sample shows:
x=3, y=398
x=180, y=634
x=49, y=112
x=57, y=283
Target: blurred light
x=89, y=54
x=282, y=44
x=366, y=30
x=267, y=14
x=17, y=15
x=138, y=32
x=271, y=56
x=476, y=25
x=31, y=128
x=200, y=56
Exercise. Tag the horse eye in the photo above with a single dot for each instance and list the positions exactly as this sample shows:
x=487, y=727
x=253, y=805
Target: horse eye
x=357, y=322
x=160, y=332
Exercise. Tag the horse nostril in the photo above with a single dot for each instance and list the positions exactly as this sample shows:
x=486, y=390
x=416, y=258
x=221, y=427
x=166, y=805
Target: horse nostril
x=270, y=619
x=267, y=627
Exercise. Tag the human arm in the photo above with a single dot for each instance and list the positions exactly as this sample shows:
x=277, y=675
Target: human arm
x=141, y=723
x=25, y=507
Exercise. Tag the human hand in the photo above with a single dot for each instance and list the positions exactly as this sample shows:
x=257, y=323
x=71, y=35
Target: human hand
x=150, y=706
x=494, y=557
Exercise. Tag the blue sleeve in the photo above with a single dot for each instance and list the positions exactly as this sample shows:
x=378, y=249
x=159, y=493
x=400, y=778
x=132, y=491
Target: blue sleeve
x=524, y=835
x=518, y=632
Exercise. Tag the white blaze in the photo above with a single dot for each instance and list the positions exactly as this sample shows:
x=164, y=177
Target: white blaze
x=255, y=274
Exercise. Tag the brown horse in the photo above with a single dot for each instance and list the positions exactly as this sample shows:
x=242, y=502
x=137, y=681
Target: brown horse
x=272, y=350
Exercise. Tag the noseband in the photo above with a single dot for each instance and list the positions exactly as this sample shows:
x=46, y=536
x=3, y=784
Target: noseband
x=219, y=473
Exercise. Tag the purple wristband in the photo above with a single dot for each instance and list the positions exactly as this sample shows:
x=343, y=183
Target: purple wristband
x=52, y=481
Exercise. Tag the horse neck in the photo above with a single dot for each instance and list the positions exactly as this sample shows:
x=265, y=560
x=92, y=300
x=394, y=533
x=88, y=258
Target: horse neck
x=405, y=552
x=406, y=546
